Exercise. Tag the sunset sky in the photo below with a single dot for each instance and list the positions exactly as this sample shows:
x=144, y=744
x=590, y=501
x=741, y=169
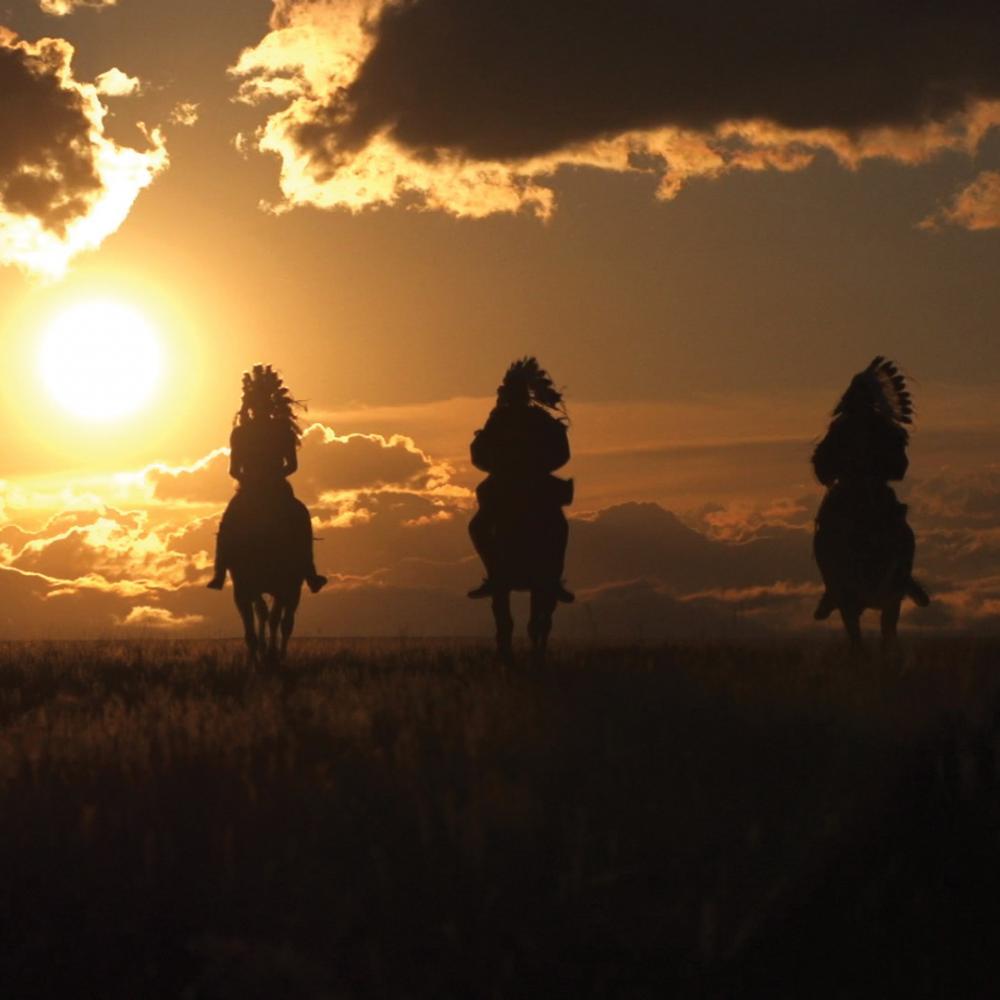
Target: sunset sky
x=703, y=219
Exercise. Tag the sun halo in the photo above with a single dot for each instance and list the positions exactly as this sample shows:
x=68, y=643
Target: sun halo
x=100, y=360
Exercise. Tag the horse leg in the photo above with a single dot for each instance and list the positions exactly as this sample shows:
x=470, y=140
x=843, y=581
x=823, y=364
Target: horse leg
x=505, y=625
x=260, y=607
x=287, y=624
x=543, y=603
x=851, y=617
x=245, y=606
x=274, y=621
x=890, y=619
x=288, y=621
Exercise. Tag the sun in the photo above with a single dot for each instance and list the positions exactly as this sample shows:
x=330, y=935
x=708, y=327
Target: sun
x=100, y=360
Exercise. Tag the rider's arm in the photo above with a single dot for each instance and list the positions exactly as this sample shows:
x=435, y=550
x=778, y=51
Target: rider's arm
x=476, y=450
x=825, y=460
x=236, y=455
x=483, y=448
x=558, y=446
x=291, y=457
x=895, y=460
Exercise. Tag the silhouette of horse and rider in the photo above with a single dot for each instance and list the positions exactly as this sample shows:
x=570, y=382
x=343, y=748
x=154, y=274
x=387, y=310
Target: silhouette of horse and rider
x=863, y=545
x=265, y=538
x=520, y=530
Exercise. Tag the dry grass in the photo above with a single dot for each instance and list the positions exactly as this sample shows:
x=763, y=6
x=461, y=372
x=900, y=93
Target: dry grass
x=393, y=820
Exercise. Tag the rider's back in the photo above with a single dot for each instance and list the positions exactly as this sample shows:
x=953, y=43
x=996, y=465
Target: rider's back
x=861, y=447
x=520, y=441
x=260, y=448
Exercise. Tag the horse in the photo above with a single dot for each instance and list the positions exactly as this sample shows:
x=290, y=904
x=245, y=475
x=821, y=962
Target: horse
x=864, y=548
x=265, y=564
x=530, y=550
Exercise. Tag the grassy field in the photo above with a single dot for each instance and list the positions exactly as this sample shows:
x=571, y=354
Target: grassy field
x=411, y=820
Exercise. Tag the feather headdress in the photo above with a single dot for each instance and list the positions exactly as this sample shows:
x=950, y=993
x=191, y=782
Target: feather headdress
x=267, y=396
x=527, y=382
x=881, y=387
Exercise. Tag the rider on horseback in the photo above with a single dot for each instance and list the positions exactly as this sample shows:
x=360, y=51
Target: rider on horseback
x=263, y=447
x=523, y=442
x=863, y=450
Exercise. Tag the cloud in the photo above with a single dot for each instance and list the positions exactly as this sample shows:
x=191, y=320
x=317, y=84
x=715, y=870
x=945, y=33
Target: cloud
x=952, y=500
x=975, y=207
x=205, y=481
x=121, y=550
x=60, y=8
x=328, y=463
x=64, y=184
x=332, y=463
x=471, y=108
x=133, y=551
x=184, y=113
x=114, y=83
x=375, y=499
x=145, y=616
x=644, y=610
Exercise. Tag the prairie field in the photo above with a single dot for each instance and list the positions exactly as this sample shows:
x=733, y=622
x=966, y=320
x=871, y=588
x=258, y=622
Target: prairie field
x=411, y=819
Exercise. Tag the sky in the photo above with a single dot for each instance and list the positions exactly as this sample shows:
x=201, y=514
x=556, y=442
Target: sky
x=703, y=220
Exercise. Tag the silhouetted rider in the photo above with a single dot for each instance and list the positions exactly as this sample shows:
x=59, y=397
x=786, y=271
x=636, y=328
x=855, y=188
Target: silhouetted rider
x=263, y=453
x=523, y=442
x=863, y=451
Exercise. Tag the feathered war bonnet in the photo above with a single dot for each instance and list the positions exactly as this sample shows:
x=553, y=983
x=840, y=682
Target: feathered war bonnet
x=881, y=388
x=526, y=383
x=267, y=396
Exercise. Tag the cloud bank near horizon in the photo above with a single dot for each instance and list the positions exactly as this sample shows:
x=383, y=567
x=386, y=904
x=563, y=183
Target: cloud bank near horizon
x=472, y=108
x=131, y=555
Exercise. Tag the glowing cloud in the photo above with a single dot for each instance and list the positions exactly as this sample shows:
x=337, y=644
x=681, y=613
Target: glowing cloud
x=976, y=206
x=60, y=8
x=64, y=185
x=184, y=113
x=133, y=551
x=115, y=83
x=145, y=616
x=472, y=108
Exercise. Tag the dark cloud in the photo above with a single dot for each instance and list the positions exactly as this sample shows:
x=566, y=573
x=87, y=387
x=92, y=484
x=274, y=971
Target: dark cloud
x=472, y=108
x=359, y=461
x=47, y=160
x=205, y=482
x=949, y=500
x=64, y=184
x=644, y=541
x=508, y=79
x=646, y=611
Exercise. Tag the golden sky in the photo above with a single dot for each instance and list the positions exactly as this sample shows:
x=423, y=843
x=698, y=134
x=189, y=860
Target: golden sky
x=702, y=239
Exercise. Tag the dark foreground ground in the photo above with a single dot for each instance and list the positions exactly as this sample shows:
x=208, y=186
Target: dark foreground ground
x=413, y=821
